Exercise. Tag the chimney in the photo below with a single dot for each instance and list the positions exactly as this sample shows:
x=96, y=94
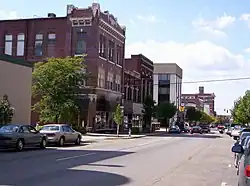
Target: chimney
x=201, y=90
x=51, y=15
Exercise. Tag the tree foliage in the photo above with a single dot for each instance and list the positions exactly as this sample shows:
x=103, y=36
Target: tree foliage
x=118, y=117
x=166, y=110
x=192, y=114
x=241, y=109
x=6, y=111
x=56, y=84
x=206, y=118
x=149, y=110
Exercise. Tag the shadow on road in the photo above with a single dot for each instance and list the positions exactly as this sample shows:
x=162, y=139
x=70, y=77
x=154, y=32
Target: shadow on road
x=59, y=167
x=211, y=135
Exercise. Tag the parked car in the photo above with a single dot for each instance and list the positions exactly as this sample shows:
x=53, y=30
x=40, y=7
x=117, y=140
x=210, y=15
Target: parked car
x=21, y=136
x=196, y=129
x=205, y=128
x=174, y=129
x=242, y=142
x=244, y=164
x=61, y=134
x=236, y=133
x=244, y=130
x=229, y=131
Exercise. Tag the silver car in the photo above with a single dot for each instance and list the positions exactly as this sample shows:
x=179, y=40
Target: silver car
x=61, y=134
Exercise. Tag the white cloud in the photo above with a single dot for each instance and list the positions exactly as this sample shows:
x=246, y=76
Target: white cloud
x=216, y=26
x=202, y=60
x=246, y=18
x=8, y=14
x=149, y=19
x=247, y=50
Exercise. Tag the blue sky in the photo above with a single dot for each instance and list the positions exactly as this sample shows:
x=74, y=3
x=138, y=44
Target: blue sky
x=209, y=39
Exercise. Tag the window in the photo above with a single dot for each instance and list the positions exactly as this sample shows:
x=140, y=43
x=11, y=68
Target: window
x=80, y=44
x=111, y=50
x=102, y=46
x=25, y=129
x=110, y=80
x=163, y=90
x=39, y=45
x=51, y=38
x=20, y=44
x=101, y=78
x=32, y=129
x=8, y=45
x=118, y=55
x=118, y=83
x=51, y=47
x=163, y=77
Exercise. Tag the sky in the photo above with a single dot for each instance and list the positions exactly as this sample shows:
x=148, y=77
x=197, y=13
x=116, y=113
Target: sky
x=208, y=39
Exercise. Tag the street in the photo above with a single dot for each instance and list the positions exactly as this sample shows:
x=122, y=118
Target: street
x=162, y=160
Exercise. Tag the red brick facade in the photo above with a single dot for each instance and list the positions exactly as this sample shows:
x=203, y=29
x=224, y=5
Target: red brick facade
x=80, y=30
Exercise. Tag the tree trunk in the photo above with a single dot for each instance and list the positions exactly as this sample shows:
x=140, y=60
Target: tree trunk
x=166, y=124
x=117, y=131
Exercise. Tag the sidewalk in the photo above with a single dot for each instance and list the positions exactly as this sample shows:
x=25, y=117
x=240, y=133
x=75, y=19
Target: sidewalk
x=98, y=137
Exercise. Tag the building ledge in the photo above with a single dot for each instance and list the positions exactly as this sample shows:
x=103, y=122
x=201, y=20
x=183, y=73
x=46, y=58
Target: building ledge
x=16, y=61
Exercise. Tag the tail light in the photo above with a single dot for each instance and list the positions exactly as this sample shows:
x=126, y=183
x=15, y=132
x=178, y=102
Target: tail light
x=51, y=135
x=247, y=171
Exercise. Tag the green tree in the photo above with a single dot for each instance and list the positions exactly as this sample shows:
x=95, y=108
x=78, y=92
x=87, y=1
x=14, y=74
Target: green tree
x=206, y=118
x=6, y=111
x=165, y=111
x=241, y=110
x=56, y=83
x=148, y=112
x=118, y=117
x=192, y=114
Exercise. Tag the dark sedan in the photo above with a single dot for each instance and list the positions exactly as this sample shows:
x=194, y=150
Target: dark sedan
x=175, y=129
x=205, y=128
x=196, y=129
x=20, y=136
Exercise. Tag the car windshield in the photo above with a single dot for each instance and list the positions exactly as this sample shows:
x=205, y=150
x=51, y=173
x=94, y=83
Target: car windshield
x=246, y=141
x=50, y=128
x=237, y=127
x=9, y=128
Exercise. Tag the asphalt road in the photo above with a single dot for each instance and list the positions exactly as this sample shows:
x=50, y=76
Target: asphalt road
x=186, y=160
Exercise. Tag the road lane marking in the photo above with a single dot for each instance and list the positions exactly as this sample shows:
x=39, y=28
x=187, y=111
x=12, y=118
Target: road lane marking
x=230, y=165
x=73, y=157
x=223, y=184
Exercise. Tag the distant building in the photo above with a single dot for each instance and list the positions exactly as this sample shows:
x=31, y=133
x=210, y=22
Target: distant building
x=206, y=109
x=138, y=83
x=200, y=99
x=167, y=83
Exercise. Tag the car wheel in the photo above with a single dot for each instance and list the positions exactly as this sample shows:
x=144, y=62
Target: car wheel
x=43, y=144
x=200, y=132
x=191, y=132
x=61, y=141
x=19, y=145
x=78, y=140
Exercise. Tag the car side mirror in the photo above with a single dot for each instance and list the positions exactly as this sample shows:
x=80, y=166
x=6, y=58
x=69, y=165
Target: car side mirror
x=237, y=148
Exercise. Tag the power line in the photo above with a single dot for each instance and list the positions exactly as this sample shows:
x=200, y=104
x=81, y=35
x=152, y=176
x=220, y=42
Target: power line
x=194, y=82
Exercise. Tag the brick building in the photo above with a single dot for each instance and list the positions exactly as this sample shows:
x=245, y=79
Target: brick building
x=82, y=31
x=138, y=83
x=199, y=100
